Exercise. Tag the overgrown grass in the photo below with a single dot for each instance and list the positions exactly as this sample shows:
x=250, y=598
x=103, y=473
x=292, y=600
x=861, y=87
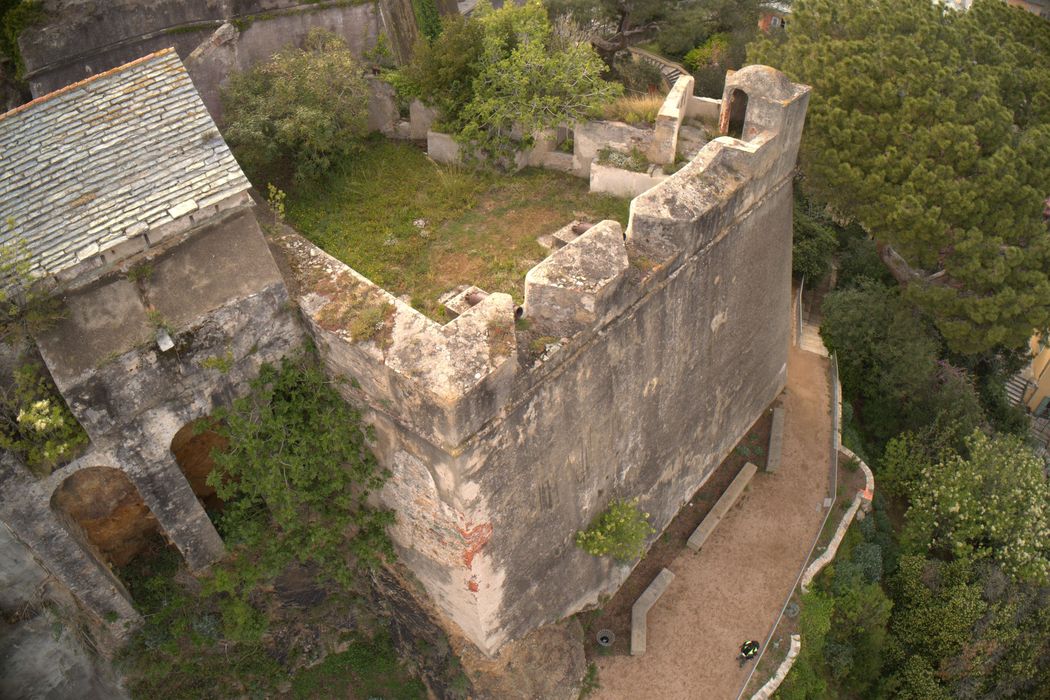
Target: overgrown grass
x=421, y=229
x=636, y=110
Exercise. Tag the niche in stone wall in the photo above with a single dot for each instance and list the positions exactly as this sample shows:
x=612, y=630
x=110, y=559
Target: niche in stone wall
x=192, y=447
x=737, y=113
x=101, y=508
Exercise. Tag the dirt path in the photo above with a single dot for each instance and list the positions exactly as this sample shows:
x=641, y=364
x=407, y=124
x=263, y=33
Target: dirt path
x=734, y=588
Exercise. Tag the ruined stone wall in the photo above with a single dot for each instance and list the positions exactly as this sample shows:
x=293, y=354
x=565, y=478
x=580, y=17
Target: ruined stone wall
x=671, y=345
x=81, y=38
x=218, y=293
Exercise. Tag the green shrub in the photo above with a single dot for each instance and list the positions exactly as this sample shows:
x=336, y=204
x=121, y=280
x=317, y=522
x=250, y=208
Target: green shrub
x=297, y=476
x=635, y=161
x=501, y=72
x=813, y=244
x=299, y=112
x=427, y=18
x=15, y=17
x=714, y=51
x=35, y=422
x=620, y=532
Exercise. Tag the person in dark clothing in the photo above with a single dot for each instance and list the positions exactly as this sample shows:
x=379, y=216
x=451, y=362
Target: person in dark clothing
x=748, y=651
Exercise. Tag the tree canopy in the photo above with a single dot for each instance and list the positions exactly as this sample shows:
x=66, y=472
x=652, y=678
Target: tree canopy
x=301, y=111
x=931, y=128
x=503, y=72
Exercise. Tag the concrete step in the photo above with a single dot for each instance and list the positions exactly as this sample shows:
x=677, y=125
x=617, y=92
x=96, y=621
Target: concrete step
x=1016, y=388
x=640, y=610
x=811, y=341
x=725, y=502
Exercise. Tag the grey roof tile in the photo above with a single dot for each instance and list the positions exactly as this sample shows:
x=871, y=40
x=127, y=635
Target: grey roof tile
x=116, y=152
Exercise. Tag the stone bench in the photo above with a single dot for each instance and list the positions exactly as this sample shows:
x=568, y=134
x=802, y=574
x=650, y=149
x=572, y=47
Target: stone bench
x=700, y=535
x=641, y=609
x=776, y=440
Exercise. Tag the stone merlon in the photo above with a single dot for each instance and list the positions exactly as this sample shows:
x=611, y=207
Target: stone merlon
x=574, y=288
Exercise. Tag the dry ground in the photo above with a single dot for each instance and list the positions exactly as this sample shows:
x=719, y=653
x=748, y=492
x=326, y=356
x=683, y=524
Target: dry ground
x=734, y=588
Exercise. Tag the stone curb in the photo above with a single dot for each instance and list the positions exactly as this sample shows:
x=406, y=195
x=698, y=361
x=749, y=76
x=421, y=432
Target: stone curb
x=640, y=610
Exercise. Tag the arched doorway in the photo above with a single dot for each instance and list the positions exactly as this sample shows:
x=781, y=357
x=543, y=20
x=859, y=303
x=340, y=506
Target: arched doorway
x=737, y=113
x=102, y=508
x=192, y=448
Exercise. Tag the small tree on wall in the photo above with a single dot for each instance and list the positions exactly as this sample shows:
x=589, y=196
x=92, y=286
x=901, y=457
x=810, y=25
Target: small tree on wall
x=501, y=73
x=619, y=531
x=300, y=112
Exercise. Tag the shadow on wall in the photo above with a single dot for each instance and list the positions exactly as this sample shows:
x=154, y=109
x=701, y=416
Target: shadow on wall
x=192, y=448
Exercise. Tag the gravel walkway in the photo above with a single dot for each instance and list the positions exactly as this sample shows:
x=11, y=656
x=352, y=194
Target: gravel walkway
x=733, y=589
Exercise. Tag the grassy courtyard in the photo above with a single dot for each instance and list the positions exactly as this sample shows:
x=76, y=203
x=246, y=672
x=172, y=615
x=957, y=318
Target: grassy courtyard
x=420, y=229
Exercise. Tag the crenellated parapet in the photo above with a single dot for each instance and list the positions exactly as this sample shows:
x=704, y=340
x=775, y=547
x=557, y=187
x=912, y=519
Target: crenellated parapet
x=443, y=381
x=661, y=345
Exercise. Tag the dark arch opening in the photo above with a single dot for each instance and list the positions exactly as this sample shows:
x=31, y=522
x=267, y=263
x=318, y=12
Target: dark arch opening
x=737, y=113
x=192, y=448
x=108, y=511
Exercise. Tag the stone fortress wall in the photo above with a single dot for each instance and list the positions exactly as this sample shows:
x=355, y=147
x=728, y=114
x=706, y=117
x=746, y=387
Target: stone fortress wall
x=79, y=38
x=673, y=338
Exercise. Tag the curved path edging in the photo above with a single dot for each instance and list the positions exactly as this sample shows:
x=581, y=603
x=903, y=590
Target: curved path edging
x=861, y=501
x=785, y=666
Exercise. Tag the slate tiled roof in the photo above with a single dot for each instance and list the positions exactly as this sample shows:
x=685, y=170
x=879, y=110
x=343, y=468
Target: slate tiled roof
x=109, y=158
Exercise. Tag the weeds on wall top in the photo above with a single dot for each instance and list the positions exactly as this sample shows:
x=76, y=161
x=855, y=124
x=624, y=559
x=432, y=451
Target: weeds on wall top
x=619, y=531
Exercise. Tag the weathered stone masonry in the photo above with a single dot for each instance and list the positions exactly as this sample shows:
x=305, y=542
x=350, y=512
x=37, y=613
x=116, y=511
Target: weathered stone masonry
x=672, y=338
x=165, y=198
x=673, y=342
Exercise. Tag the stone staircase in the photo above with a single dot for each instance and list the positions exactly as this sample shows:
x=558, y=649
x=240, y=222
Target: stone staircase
x=1016, y=388
x=670, y=70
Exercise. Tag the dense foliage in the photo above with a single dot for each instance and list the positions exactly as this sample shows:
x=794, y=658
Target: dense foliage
x=297, y=476
x=500, y=76
x=889, y=362
x=295, y=481
x=932, y=129
x=15, y=17
x=991, y=503
x=619, y=531
x=35, y=422
x=298, y=113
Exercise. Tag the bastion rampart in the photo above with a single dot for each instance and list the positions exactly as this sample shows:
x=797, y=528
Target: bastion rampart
x=672, y=338
x=661, y=345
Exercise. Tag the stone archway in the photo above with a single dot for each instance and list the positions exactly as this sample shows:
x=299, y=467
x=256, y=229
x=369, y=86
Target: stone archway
x=103, y=509
x=192, y=448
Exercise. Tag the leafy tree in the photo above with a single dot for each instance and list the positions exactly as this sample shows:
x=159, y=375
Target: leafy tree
x=677, y=27
x=442, y=71
x=932, y=129
x=501, y=74
x=992, y=503
x=813, y=243
x=965, y=630
x=297, y=476
x=303, y=110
